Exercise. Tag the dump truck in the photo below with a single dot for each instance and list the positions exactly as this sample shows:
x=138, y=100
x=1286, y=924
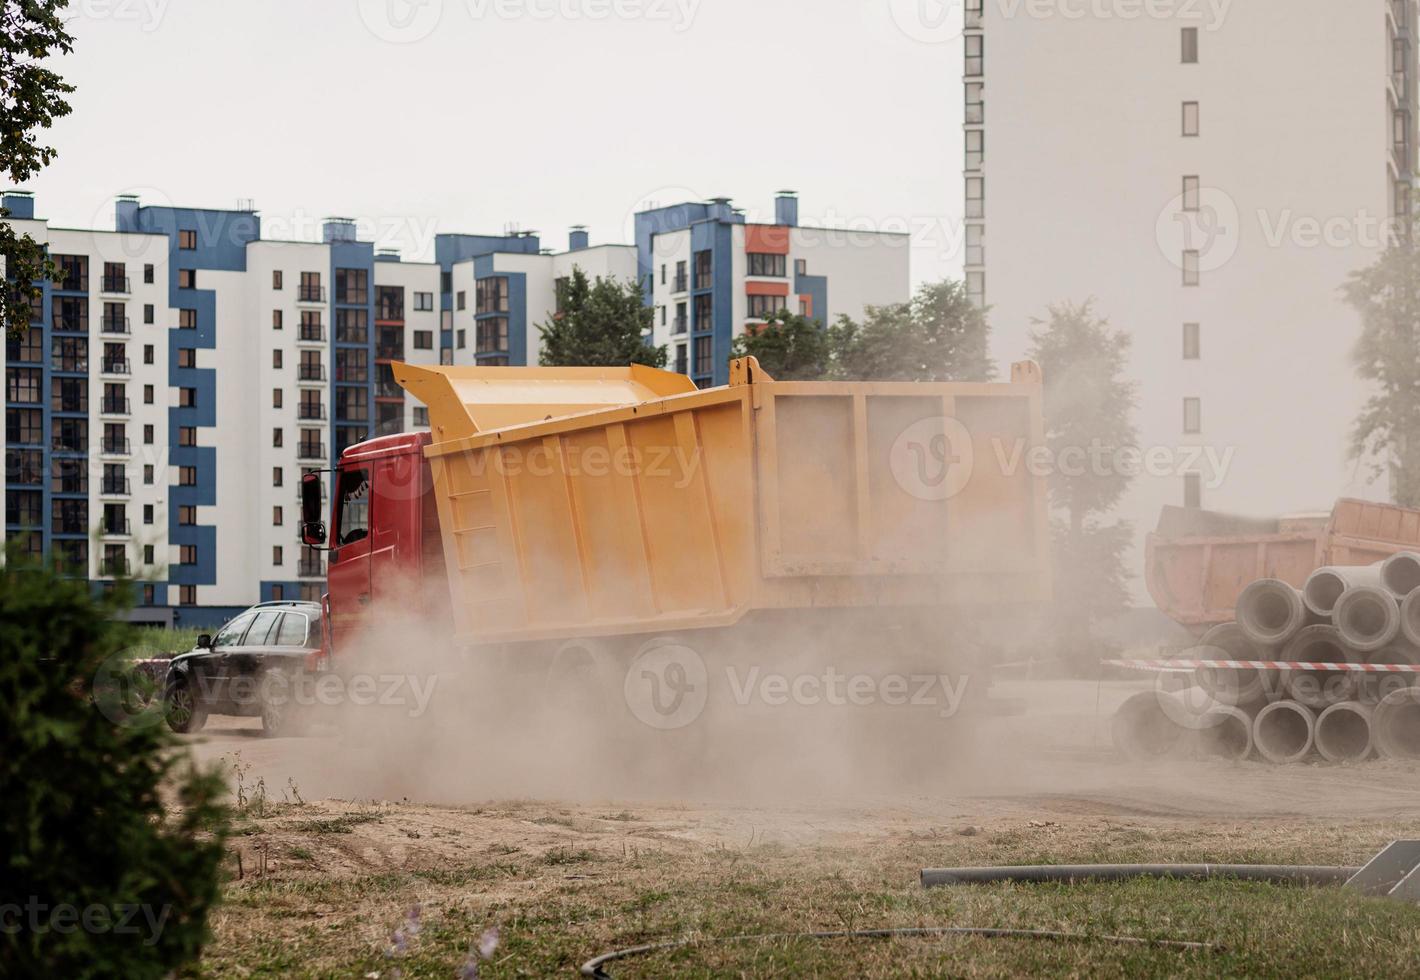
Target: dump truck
x=595, y=509
x=1197, y=562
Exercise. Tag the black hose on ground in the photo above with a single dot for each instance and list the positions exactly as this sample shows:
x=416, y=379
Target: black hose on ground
x=1277, y=874
x=595, y=967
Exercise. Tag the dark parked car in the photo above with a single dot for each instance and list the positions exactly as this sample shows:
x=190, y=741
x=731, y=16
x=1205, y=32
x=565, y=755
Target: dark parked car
x=248, y=669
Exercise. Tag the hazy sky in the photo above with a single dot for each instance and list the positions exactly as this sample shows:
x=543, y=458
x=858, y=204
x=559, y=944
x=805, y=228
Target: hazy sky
x=470, y=115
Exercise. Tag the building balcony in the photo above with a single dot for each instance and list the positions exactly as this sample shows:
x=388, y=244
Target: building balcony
x=62, y=444
x=389, y=352
x=116, y=447
x=116, y=406
x=310, y=413
x=310, y=294
x=61, y=526
x=120, y=366
x=110, y=487
x=679, y=284
x=388, y=389
x=310, y=569
x=310, y=450
x=71, y=324
x=115, y=325
x=113, y=567
x=311, y=333
x=117, y=285
x=310, y=372
x=680, y=324
x=704, y=281
x=116, y=529
x=72, y=365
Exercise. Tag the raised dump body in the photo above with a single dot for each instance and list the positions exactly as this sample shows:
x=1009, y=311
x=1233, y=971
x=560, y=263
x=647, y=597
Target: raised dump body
x=1197, y=562
x=602, y=501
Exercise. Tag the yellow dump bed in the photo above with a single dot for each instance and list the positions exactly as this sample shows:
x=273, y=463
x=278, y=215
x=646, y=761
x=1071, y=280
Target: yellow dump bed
x=602, y=501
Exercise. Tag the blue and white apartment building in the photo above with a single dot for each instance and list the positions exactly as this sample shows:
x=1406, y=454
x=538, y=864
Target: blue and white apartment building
x=182, y=372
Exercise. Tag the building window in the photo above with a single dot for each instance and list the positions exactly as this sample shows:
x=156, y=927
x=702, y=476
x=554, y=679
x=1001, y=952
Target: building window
x=187, y=554
x=389, y=302
x=975, y=197
x=30, y=345
x=187, y=240
x=149, y=554
x=1191, y=342
x=277, y=554
x=1190, y=267
x=278, y=517
x=423, y=340
x=276, y=438
x=187, y=357
x=187, y=397
x=187, y=476
x=148, y=273
x=352, y=326
x=446, y=355
x=187, y=515
x=187, y=279
x=763, y=307
x=975, y=58
x=975, y=148
x=682, y=365
x=421, y=416
x=310, y=289
x=147, y=353
x=352, y=366
x=461, y=339
x=276, y=281
x=1190, y=193
x=352, y=286
x=768, y=264
x=446, y=282
x=1190, y=45
x=491, y=335
x=1192, y=416
x=277, y=320
x=424, y=302
x=276, y=359
x=276, y=395
x=1190, y=119
x=148, y=314
x=461, y=300
x=187, y=319
x=704, y=355
x=187, y=595
x=704, y=313
x=492, y=295
x=1192, y=491
x=187, y=435
x=147, y=394
x=148, y=434
x=276, y=476
x=975, y=103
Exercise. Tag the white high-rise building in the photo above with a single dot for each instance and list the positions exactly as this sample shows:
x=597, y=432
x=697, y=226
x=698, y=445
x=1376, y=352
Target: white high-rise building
x=1209, y=174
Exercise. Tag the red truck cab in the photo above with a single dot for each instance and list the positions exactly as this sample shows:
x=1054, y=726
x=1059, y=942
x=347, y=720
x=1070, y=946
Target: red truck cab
x=386, y=557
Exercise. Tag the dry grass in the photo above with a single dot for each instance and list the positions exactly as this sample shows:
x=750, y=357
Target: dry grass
x=566, y=883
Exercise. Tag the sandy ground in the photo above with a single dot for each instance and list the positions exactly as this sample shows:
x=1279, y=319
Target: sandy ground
x=1054, y=759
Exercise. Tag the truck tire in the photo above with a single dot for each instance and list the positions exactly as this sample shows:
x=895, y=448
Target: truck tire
x=182, y=709
x=280, y=714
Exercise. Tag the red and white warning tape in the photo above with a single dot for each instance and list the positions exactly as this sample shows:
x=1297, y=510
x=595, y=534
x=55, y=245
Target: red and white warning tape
x=1190, y=665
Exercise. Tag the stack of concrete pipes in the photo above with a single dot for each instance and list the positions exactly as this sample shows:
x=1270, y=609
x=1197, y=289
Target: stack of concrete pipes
x=1343, y=615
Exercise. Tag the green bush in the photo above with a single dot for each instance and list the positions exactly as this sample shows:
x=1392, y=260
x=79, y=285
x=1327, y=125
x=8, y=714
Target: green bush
x=112, y=839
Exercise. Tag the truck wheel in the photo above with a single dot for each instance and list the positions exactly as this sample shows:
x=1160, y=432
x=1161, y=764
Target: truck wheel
x=280, y=715
x=182, y=709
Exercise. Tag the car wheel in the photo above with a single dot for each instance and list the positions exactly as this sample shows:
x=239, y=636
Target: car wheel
x=279, y=712
x=182, y=708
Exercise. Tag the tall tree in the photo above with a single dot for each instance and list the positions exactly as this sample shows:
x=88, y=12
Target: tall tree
x=789, y=346
x=938, y=335
x=31, y=98
x=1387, y=355
x=1089, y=404
x=600, y=323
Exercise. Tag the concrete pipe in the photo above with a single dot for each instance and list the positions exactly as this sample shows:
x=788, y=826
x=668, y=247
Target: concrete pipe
x=1271, y=612
x=1225, y=732
x=1227, y=641
x=1396, y=725
x=1284, y=732
x=1319, y=644
x=1368, y=618
x=1400, y=573
x=1147, y=725
x=1410, y=618
x=1344, y=733
x=1325, y=585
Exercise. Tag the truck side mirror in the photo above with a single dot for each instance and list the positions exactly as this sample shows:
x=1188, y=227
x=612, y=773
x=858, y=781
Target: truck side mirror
x=312, y=528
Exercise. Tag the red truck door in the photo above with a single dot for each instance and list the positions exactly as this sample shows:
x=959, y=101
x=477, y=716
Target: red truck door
x=348, y=573
x=394, y=536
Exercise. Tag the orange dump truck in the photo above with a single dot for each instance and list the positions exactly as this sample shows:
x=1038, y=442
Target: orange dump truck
x=556, y=504
x=1198, y=562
